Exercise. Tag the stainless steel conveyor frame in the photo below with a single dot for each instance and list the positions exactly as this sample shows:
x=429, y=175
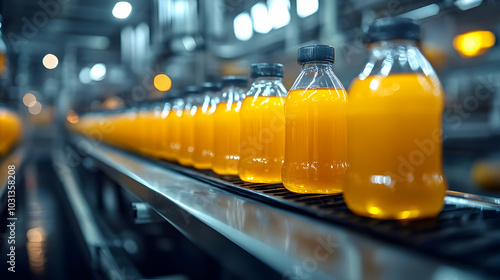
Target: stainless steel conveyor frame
x=232, y=227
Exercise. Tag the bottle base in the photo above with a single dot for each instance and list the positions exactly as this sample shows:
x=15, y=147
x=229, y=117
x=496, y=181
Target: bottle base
x=185, y=161
x=221, y=171
x=253, y=179
x=308, y=189
x=202, y=166
x=400, y=215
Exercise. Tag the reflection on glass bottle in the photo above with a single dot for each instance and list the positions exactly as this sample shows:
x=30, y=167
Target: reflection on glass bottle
x=394, y=120
x=262, y=113
x=315, y=115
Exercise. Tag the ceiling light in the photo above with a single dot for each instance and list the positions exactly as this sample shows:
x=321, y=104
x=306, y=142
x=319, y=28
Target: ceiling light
x=122, y=10
x=36, y=108
x=98, y=72
x=467, y=4
x=260, y=18
x=306, y=8
x=279, y=12
x=50, y=61
x=29, y=99
x=243, y=26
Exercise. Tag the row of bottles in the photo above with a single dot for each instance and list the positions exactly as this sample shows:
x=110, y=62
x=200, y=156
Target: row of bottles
x=10, y=130
x=380, y=144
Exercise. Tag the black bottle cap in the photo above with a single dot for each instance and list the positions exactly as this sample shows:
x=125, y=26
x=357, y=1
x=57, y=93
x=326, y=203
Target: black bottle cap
x=193, y=89
x=266, y=69
x=392, y=28
x=316, y=53
x=207, y=86
x=237, y=81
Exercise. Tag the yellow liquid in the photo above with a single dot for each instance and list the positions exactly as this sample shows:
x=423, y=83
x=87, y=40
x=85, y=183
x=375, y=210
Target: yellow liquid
x=226, y=139
x=162, y=142
x=262, y=147
x=204, y=139
x=124, y=133
x=153, y=133
x=174, y=131
x=395, y=147
x=10, y=130
x=185, y=156
x=316, y=141
x=142, y=124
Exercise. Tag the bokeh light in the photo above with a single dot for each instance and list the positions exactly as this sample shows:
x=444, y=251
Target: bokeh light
x=50, y=61
x=162, y=82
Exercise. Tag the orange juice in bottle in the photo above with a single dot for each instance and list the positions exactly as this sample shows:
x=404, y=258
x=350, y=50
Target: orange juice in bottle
x=163, y=133
x=185, y=156
x=262, y=115
x=315, y=116
x=141, y=125
x=155, y=127
x=10, y=130
x=394, y=120
x=204, y=127
x=173, y=123
x=227, y=126
x=128, y=129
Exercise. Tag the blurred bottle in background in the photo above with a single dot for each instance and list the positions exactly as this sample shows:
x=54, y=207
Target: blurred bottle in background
x=227, y=125
x=204, y=127
x=185, y=156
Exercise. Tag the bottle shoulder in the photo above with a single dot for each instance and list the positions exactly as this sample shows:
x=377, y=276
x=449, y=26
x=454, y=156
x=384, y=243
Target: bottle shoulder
x=407, y=88
x=317, y=77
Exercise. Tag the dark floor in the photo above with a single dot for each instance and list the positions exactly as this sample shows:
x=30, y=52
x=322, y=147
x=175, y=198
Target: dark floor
x=47, y=242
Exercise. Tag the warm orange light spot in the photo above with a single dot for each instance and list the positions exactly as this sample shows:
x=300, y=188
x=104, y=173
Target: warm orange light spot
x=72, y=117
x=162, y=82
x=474, y=43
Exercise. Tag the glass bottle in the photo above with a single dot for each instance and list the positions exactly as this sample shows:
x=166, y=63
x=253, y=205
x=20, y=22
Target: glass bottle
x=262, y=147
x=227, y=125
x=185, y=156
x=315, y=115
x=204, y=127
x=394, y=119
x=173, y=127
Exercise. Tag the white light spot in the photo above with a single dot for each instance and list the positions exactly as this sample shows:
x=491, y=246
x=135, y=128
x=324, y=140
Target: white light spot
x=98, y=72
x=467, y=4
x=35, y=109
x=381, y=180
x=243, y=27
x=50, y=61
x=306, y=8
x=84, y=75
x=374, y=84
x=260, y=18
x=279, y=12
x=122, y=10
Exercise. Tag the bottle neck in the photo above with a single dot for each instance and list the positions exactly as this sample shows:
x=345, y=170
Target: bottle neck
x=231, y=94
x=267, y=79
x=316, y=65
x=392, y=44
x=395, y=57
x=317, y=74
x=267, y=86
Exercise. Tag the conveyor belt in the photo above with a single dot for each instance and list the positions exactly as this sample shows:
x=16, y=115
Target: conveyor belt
x=466, y=231
x=463, y=238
